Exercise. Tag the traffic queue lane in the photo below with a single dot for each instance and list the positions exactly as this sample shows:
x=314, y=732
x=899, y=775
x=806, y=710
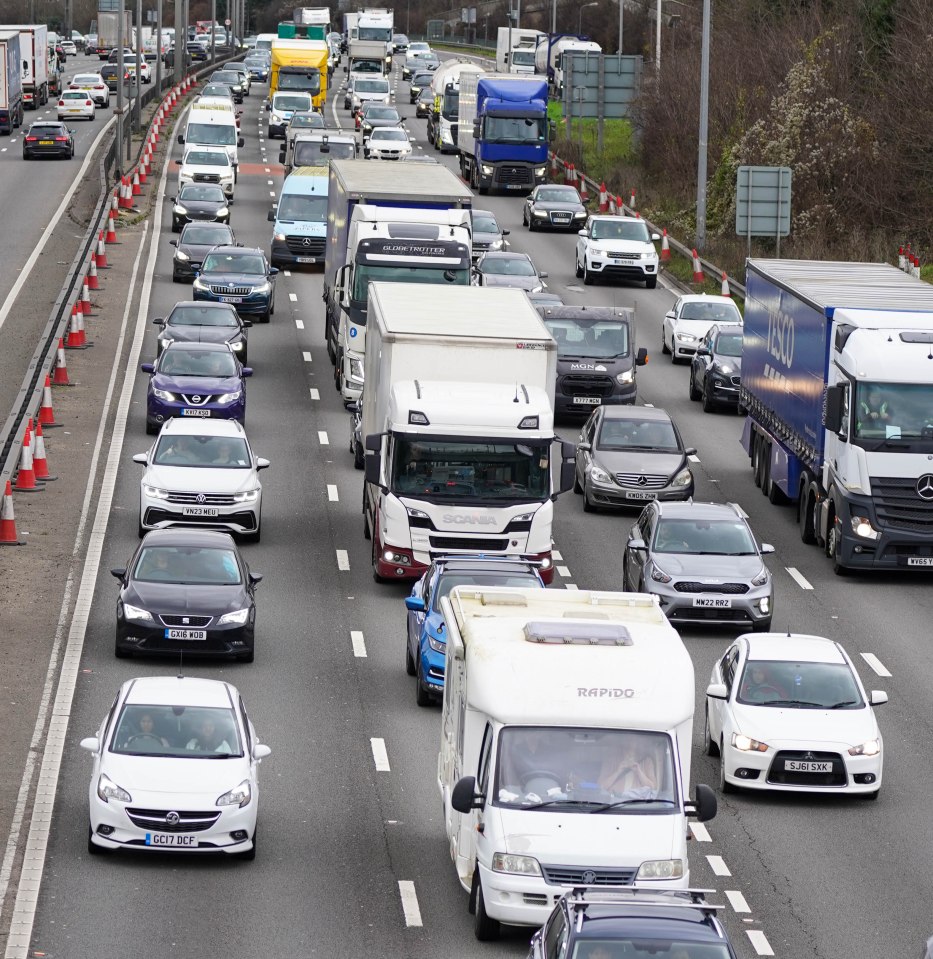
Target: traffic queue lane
x=338, y=835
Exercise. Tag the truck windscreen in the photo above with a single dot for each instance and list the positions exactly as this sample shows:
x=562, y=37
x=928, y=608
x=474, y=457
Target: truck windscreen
x=893, y=411
x=601, y=340
x=453, y=276
x=307, y=209
x=515, y=130
x=470, y=469
x=304, y=79
x=316, y=153
x=383, y=34
x=523, y=58
x=451, y=107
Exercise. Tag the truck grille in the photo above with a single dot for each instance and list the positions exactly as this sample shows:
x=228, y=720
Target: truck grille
x=306, y=245
x=584, y=384
x=898, y=504
x=734, y=588
x=206, y=178
x=471, y=543
x=231, y=290
x=155, y=820
x=515, y=175
x=574, y=876
x=642, y=480
x=777, y=773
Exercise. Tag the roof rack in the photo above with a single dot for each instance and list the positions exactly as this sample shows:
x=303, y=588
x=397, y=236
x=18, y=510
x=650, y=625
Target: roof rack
x=579, y=897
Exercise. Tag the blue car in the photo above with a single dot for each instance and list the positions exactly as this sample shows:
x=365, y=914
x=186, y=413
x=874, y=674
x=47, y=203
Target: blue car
x=425, y=640
x=195, y=380
x=238, y=275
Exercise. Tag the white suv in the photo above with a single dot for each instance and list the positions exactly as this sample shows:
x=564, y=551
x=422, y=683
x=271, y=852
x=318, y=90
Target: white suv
x=201, y=473
x=207, y=164
x=617, y=247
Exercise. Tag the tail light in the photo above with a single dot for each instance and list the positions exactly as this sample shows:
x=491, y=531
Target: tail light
x=88, y=103
x=61, y=139
x=61, y=103
x=31, y=139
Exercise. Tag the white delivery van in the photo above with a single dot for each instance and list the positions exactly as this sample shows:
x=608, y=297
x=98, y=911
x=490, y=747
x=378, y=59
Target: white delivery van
x=213, y=124
x=566, y=733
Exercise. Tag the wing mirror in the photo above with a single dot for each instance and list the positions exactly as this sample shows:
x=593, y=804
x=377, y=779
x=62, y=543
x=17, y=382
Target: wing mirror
x=141, y=458
x=119, y=573
x=270, y=216
x=717, y=691
x=91, y=744
x=415, y=604
x=766, y=548
x=147, y=367
x=260, y=751
x=464, y=798
x=690, y=451
x=641, y=357
x=262, y=463
x=878, y=697
x=636, y=544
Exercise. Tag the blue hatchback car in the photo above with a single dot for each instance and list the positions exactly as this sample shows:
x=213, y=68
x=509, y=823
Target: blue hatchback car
x=241, y=276
x=425, y=639
x=195, y=380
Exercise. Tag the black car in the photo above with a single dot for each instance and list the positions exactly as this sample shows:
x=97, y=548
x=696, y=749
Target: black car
x=419, y=81
x=110, y=72
x=233, y=80
x=241, y=276
x=204, y=322
x=660, y=923
x=196, y=240
x=196, y=51
x=555, y=207
x=375, y=115
x=200, y=201
x=424, y=104
x=48, y=138
x=716, y=367
x=186, y=591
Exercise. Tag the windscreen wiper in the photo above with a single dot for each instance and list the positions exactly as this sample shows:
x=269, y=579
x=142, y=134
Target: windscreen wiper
x=631, y=802
x=789, y=702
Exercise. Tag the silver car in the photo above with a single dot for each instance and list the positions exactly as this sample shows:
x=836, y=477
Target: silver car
x=702, y=562
x=498, y=268
x=487, y=234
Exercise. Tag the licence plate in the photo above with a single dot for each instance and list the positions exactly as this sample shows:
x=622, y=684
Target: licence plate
x=46, y=143
x=713, y=602
x=802, y=766
x=304, y=259
x=170, y=839
x=231, y=299
x=639, y=494
x=513, y=186
x=200, y=634
x=200, y=511
x=587, y=400
x=920, y=560
x=195, y=412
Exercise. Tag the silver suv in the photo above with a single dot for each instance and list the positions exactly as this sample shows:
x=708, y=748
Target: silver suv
x=702, y=562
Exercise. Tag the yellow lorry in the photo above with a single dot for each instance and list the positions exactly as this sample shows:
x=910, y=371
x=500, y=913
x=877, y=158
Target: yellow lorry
x=299, y=66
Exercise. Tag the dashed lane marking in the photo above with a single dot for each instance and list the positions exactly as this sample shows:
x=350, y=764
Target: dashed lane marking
x=299, y=324
x=359, y=644
x=323, y=438
x=315, y=393
x=555, y=554
x=380, y=756
x=798, y=577
x=564, y=571
x=875, y=664
x=718, y=865
x=332, y=493
x=570, y=586
x=737, y=900
x=293, y=297
x=693, y=458
x=760, y=942
x=410, y=907
x=306, y=356
x=343, y=560
x=287, y=273
x=700, y=832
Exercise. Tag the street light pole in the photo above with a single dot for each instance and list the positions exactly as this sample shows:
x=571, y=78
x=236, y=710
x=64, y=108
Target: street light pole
x=158, y=80
x=704, y=127
x=553, y=16
x=580, y=18
x=621, y=5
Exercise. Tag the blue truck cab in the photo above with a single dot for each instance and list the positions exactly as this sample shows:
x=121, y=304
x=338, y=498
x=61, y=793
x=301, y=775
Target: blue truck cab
x=299, y=234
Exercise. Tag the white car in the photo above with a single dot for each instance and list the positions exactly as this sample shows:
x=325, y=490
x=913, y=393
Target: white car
x=145, y=71
x=69, y=47
x=75, y=103
x=207, y=164
x=92, y=83
x=171, y=745
x=201, y=472
x=369, y=90
x=617, y=247
x=683, y=327
x=387, y=143
x=789, y=712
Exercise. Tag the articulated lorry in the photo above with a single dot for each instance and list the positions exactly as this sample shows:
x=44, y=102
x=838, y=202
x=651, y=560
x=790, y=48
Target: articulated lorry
x=392, y=222
x=108, y=27
x=445, y=113
x=366, y=57
x=34, y=66
x=549, y=55
x=837, y=383
x=502, y=131
x=515, y=49
x=11, y=85
x=300, y=66
x=458, y=427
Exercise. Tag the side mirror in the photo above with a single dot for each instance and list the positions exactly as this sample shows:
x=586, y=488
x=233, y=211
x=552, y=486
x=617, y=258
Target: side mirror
x=352, y=407
x=583, y=232
x=506, y=232
x=542, y=274
x=173, y=242
x=415, y=604
x=373, y=443
x=246, y=324
x=147, y=367
x=690, y=451
x=158, y=321
x=91, y=744
x=141, y=458
x=641, y=357
x=260, y=751
x=833, y=407
x=567, y=476
x=273, y=271
x=240, y=142
x=717, y=691
x=247, y=371
x=766, y=548
x=255, y=578
x=268, y=106
x=655, y=236
x=476, y=128
x=119, y=573
x=262, y=463
x=877, y=697
x=371, y=470
x=464, y=798
x=584, y=447
x=705, y=804
x=270, y=216
x=181, y=138
x=636, y=544
x=703, y=351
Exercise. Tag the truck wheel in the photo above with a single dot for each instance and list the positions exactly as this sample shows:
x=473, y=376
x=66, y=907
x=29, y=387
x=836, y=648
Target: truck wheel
x=764, y=471
x=756, y=460
x=484, y=191
x=358, y=458
x=834, y=547
x=805, y=519
x=484, y=928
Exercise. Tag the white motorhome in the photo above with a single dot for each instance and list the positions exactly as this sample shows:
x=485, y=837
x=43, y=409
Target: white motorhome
x=566, y=733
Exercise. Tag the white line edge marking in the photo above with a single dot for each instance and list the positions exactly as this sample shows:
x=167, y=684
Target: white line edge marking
x=798, y=577
x=406, y=889
x=315, y=393
x=718, y=865
x=359, y=644
x=332, y=493
x=737, y=900
x=306, y=356
x=299, y=324
x=380, y=756
x=322, y=438
x=760, y=942
x=700, y=832
x=343, y=560
x=877, y=666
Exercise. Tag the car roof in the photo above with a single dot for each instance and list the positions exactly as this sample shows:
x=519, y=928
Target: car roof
x=636, y=413
x=179, y=426
x=203, y=305
x=206, y=223
x=238, y=249
x=197, y=347
x=609, y=218
x=694, y=510
x=483, y=564
x=699, y=297
x=794, y=647
x=180, y=691
x=188, y=536
x=505, y=255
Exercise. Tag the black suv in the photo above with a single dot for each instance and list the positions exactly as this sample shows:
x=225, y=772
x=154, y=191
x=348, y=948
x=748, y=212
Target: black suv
x=716, y=367
x=620, y=922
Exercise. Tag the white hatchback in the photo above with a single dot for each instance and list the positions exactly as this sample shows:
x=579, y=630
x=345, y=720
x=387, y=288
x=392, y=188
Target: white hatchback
x=201, y=472
x=684, y=326
x=175, y=768
x=788, y=712
x=76, y=103
x=92, y=83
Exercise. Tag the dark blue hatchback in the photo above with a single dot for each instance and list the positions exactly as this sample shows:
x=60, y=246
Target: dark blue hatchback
x=203, y=380
x=241, y=276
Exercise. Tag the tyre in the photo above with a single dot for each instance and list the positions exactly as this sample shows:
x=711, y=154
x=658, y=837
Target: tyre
x=665, y=349
x=253, y=537
x=708, y=405
x=120, y=653
x=150, y=429
x=762, y=627
x=694, y=392
x=422, y=696
x=651, y=282
x=265, y=317
x=577, y=488
x=834, y=547
x=673, y=352
x=409, y=660
x=588, y=277
x=484, y=928
x=588, y=507
x=725, y=786
x=366, y=532
x=709, y=747
x=764, y=458
x=870, y=797
x=805, y=518
x=358, y=456
x=578, y=270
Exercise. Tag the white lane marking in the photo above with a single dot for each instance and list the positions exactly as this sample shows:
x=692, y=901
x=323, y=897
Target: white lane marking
x=306, y=356
x=315, y=393
x=737, y=900
x=760, y=942
x=299, y=324
x=322, y=438
x=570, y=586
x=564, y=571
x=359, y=644
x=718, y=865
x=650, y=405
x=700, y=832
x=272, y=193
x=287, y=273
x=380, y=756
x=267, y=171
x=875, y=664
x=410, y=907
x=693, y=458
x=798, y=577
x=332, y=493
x=555, y=554
x=293, y=297
x=343, y=560
x=270, y=183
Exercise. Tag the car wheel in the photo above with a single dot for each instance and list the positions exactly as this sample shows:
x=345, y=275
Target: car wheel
x=651, y=282
x=265, y=317
x=870, y=796
x=92, y=847
x=708, y=405
x=577, y=488
x=409, y=660
x=709, y=747
x=673, y=351
x=578, y=270
x=255, y=537
x=422, y=696
x=665, y=349
x=588, y=507
x=588, y=277
x=694, y=392
x=358, y=456
x=484, y=928
x=725, y=786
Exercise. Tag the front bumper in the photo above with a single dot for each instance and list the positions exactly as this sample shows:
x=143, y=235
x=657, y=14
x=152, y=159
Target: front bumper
x=622, y=267
x=235, y=518
x=566, y=405
x=277, y=130
x=256, y=304
x=158, y=411
x=557, y=221
x=898, y=548
x=512, y=177
x=723, y=389
x=282, y=254
x=744, y=609
x=432, y=667
x=232, y=640
x=612, y=494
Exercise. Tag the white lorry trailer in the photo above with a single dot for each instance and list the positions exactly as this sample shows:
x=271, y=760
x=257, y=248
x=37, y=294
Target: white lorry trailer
x=34, y=54
x=515, y=49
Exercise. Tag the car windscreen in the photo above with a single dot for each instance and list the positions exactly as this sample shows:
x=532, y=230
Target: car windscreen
x=202, y=315
x=485, y=224
x=303, y=78
x=893, y=413
x=448, y=581
x=306, y=121
x=225, y=76
x=729, y=344
x=209, y=193
x=207, y=158
x=249, y=263
x=523, y=58
x=557, y=194
x=515, y=130
x=371, y=86
x=382, y=113
x=599, y=340
x=192, y=732
x=301, y=207
x=713, y=537
x=389, y=133
x=212, y=134
x=290, y=101
x=213, y=363
x=197, y=234
x=188, y=566
x=508, y=266
x=91, y=79
x=215, y=452
x=404, y=274
x=710, y=311
x=640, y=434
x=74, y=95
x=785, y=684
x=615, y=230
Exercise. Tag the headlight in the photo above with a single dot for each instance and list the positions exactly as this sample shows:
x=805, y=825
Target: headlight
x=723, y=368
x=627, y=376
x=599, y=475
x=133, y=613
x=279, y=237
x=438, y=645
x=748, y=745
x=683, y=478
x=540, y=213
x=417, y=513
x=236, y=347
x=262, y=288
x=685, y=337
x=181, y=255
x=761, y=578
x=596, y=251
x=661, y=869
x=487, y=170
x=107, y=789
x=229, y=397
x=495, y=245
x=540, y=171
x=861, y=526
x=659, y=576
x=238, y=796
x=871, y=748
x=356, y=369
x=247, y=496
x=237, y=618
x=222, y=212
x=199, y=284
x=516, y=865
x=180, y=210
x=580, y=215
x=164, y=395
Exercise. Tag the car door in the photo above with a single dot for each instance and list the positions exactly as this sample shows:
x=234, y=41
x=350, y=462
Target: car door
x=724, y=671
x=668, y=321
x=530, y=204
x=587, y=435
x=701, y=364
x=643, y=530
x=416, y=619
x=556, y=936
x=582, y=242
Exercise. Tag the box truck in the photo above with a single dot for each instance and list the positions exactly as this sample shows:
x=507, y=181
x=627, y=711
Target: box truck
x=300, y=66
x=515, y=49
x=108, y=26
x=549, y=56
x=34, y=65
x=11, y=84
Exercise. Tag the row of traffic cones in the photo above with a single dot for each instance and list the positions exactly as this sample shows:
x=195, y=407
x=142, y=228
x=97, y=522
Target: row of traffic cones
x=908, y=261
x=31, y=475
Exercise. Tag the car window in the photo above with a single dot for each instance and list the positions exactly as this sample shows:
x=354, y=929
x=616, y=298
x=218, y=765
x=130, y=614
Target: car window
x=712, y=311
x=208, y=194
x=180, y=362
x=799, y=685
x=645, y=523
x=508, y=266
x=633, y=433
x=485, y=224
x=485, y=752
x=202, y=316
x=249, y=263
x=204, y=235
x=729, y=344
x=558, y=195
x=727, y=667
x=291, y=102
x=215, y=452
x=188, y=565
x=556, y=934
x=624, y=947
x=207, y=158
x=191, y=732
x=246, y=729
x=619, y=230
x=389, y=133
x=703, y=536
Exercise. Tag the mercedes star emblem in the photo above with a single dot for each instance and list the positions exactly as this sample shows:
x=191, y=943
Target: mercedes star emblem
x=172, y=818
x=642, y=480
x=925, y=486
x=306, y=241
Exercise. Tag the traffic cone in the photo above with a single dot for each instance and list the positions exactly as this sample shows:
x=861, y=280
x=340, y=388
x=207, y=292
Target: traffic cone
x=698, y=276
x=46, y=413
x=76, y=336
x=553, y=166
x=603, y=198
x=39, y=460
x=102, y=252
x=620, y=206
x=567, y=180
x=82, y=330
x=115, y=200
x=92, y=283
x=26, y=474
x=127, y=201
x=8, y=535
x=613, y=209
x=60, y=375
x=584, y=193
x=135, y=189
x=632, y=200
x=901, y=259
x=143, y=166
x=112, y=228
x=85, y=298
x=665, y=248
x=725, y=285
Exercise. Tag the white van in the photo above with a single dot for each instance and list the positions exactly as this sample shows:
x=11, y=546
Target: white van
x=566, y=733
x=213, y=124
